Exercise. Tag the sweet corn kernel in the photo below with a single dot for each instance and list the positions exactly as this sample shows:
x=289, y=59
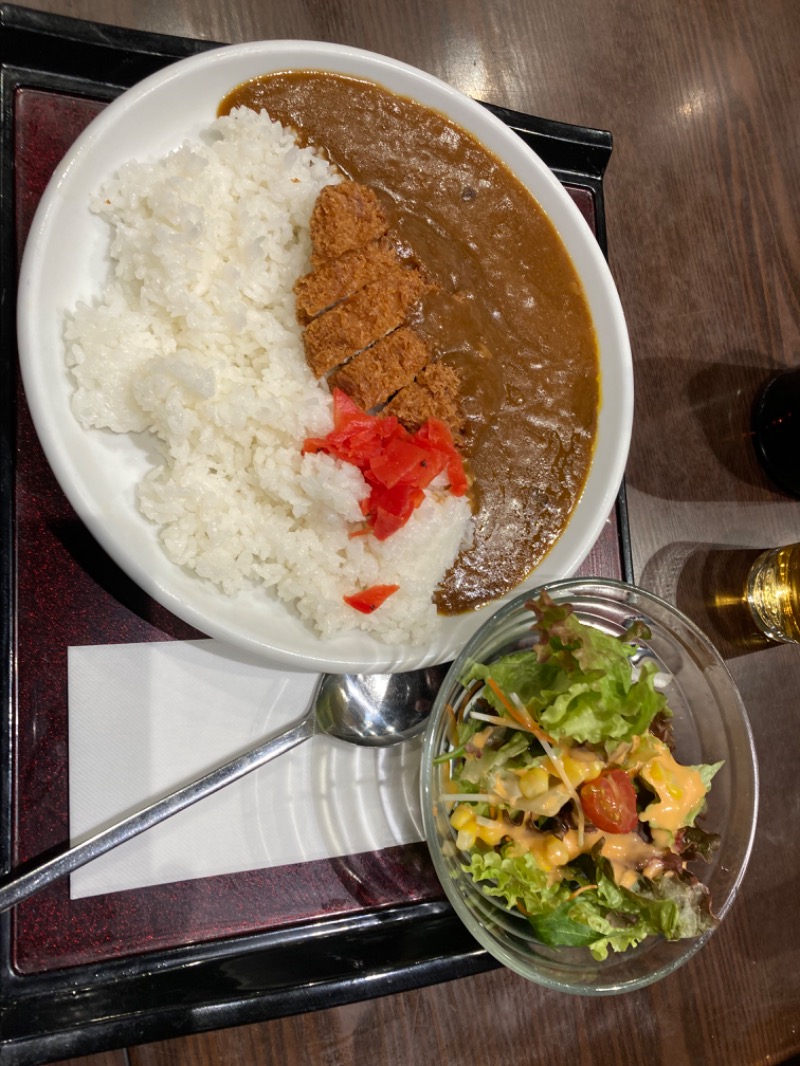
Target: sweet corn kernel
x=534, y=782
x=626, y=878
x=556, y=852
x=539, y=852
x=656, y=771
x=465, y=839
x=461, y=816
x=580, y=770
x=661, y=777
x=490, y=834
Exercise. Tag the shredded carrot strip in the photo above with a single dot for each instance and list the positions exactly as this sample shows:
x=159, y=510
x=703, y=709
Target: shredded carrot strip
x=578, y=891
x=495, y=719
x=509, y=706
x=524, y=720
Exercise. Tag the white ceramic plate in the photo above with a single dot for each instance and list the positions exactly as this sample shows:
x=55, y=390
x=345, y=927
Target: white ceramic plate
x=65, y=261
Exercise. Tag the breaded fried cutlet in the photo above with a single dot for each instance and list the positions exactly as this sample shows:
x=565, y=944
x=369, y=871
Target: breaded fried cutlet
x=377, y=373
x=434, y=394
x=362, y=319
x=336, y=279
x=355, y=306
x=345, y=216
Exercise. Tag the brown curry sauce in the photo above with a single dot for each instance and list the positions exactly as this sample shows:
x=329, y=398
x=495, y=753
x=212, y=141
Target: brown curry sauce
x=509, y=311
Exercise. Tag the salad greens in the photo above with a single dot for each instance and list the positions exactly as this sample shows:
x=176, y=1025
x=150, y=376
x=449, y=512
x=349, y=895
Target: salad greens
x=565, y=798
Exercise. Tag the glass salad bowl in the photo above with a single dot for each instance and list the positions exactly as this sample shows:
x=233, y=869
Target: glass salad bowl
x=709, y=726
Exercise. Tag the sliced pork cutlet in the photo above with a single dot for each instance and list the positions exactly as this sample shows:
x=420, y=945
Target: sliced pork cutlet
x=345, y=216
x=355, y=305
x=377, y=373
x=364, y=318
x=434, y=394
x=336, y=279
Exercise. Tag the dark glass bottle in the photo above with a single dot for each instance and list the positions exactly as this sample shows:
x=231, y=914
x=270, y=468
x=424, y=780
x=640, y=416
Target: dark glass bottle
x=776, y=429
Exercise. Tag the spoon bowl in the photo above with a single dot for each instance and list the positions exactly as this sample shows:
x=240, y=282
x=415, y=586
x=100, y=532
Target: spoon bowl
x=376, y=710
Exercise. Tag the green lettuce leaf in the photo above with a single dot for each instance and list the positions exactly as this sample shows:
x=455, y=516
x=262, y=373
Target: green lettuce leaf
x=612, y=918
x=707, y=772
x=516, y=880
x=518, y=672
x=604, y=916
x=599, y=707
x=579, y=684
x=558, y=930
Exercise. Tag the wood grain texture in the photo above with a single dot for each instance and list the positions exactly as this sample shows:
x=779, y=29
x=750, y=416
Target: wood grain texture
x=702, y=198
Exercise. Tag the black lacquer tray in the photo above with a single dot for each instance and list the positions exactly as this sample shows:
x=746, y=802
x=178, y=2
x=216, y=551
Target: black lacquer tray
x=88, y=975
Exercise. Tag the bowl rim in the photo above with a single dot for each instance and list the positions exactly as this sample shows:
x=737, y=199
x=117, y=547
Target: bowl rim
x=690, y=947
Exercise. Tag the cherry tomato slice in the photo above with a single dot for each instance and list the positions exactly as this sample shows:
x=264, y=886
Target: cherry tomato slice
x=609, y=802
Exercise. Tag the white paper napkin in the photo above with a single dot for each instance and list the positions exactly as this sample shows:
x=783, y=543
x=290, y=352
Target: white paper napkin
x=145, y=718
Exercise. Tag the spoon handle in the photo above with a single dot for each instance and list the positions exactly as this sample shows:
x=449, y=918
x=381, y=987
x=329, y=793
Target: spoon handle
x=33, y=880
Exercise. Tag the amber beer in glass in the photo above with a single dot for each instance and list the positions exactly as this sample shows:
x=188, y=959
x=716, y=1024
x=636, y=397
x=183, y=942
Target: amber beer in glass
x=773, y=593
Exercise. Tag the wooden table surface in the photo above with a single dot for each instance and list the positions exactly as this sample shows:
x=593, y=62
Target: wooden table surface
x=703, y=201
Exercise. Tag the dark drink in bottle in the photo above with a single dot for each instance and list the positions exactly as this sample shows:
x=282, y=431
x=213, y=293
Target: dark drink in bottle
x=776, y=430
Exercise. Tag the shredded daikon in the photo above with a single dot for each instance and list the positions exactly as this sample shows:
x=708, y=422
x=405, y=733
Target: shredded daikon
x=559, y=768
x=468, y=797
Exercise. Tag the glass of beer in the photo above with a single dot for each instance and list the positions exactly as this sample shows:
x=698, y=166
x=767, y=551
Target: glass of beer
x=773, y=593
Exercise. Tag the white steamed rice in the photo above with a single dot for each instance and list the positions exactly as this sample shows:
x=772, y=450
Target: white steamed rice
x=195, y=340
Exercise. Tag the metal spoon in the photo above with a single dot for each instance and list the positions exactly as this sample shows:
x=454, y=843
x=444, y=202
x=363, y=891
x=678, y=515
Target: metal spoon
x=368, y=709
